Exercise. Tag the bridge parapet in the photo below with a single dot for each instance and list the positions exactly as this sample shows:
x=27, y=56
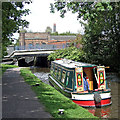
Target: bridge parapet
x=31, y=52
x=42, y=47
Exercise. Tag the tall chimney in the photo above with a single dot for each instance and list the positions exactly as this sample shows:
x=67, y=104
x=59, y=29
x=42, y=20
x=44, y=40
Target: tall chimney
x=54, y=28
x=22, y=38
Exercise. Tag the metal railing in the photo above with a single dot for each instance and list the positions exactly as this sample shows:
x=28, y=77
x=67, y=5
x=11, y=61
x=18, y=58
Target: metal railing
x=43, y=46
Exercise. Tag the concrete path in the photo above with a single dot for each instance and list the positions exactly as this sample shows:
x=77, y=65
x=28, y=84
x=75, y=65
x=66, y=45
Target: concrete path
x=18, y=100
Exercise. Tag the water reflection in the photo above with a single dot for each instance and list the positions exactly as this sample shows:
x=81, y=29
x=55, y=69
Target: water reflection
x=113, y=81
x=41, y=73
x=103, y=112
x=38, y=69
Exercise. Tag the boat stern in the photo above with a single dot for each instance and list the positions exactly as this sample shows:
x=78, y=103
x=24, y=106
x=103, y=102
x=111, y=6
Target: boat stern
x=92, y=99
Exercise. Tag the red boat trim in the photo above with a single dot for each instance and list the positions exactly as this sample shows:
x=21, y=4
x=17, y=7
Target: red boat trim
x=98, y=105
x=92, y=103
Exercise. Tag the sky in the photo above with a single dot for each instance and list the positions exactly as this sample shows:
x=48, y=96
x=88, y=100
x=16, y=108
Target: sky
x=40, y=17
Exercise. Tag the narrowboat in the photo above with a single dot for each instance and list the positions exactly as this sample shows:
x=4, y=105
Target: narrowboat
x=84, y=83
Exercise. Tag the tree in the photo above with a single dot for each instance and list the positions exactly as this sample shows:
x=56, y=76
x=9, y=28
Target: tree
x=78, y=41
x=64, y=33
x=48, y=30
x=101, y=39
x=12, y=13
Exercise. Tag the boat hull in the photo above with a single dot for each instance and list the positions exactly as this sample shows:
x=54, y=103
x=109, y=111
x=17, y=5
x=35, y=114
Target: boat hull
x=59, y=87
x=88, y=100
x=93, y=103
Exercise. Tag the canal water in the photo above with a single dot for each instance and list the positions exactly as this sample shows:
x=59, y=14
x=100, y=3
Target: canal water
x=113, y=81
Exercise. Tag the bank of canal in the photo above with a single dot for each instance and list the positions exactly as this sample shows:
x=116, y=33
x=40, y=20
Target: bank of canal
x=104, y=112
x=54, y=100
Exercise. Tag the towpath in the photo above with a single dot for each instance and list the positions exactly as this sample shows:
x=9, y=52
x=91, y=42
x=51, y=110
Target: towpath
x=18, y=100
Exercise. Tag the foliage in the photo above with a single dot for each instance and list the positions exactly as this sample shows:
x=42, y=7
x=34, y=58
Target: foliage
x=4, y=50
x=85, y=10
x=12, y=13
x=54, y=100
x=101, y=40
x=55, y=33
x=5, y=67
x=65, y=33
x=17, y=42
x=48, y=29
x=70, y=53
x=78, y=41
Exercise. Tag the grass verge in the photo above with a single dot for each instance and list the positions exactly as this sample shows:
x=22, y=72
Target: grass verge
x=5, y=67
x=54, y=100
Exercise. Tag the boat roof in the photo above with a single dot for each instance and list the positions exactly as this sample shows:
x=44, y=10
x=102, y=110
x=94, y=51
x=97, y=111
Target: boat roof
x=72, y=64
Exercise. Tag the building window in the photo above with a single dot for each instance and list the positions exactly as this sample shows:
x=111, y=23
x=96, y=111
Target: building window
x=37, y=45
x=30, y=46
x=43, y=43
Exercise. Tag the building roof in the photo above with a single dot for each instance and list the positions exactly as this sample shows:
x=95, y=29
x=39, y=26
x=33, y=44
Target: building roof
x=40, y=36
x=62, y=37
x=36, y=38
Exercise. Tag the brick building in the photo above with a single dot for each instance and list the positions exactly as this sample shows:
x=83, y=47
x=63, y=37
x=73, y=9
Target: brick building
x=33, y=39
x=30, y=39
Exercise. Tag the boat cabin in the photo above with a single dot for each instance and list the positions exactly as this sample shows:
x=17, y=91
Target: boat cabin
x=78, y=76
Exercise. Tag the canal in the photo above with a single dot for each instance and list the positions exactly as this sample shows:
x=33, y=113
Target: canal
x=113, y=81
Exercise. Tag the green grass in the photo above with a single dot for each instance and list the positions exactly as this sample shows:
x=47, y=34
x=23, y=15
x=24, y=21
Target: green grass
x=5, y=67
x=54, y=100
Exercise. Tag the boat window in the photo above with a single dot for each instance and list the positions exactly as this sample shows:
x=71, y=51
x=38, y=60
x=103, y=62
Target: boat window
x=55, y=73
x=59, y=74
x=51, y=69
x=69, y=79
x=63, y=77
